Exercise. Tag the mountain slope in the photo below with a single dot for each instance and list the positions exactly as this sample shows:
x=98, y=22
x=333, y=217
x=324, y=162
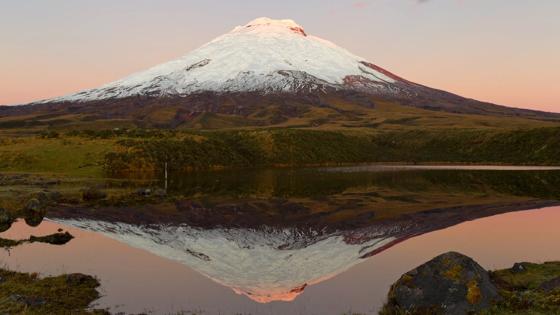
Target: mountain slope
x=263, y=56
x=265, y=68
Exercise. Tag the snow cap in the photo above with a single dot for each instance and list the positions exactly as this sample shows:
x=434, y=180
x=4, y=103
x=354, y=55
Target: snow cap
x=265, y=24
x=268, y=21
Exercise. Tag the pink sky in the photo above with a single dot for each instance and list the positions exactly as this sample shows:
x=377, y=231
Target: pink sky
x=506, y=51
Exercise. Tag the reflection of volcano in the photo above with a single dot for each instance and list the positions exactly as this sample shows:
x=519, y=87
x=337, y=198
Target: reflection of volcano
x=265, y=264
x=271, y=263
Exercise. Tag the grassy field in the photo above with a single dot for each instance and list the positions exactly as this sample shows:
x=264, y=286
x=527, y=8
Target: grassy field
x=74, y=156
x=23, y=293
x=530, y=292
x=337, y=132
x=117, y=153
x=292, y=147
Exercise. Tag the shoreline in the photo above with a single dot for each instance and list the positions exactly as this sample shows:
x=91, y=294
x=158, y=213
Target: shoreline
x=328, y=167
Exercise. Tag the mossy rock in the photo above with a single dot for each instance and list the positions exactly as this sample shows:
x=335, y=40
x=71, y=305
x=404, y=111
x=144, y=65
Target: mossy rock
x=448, y=284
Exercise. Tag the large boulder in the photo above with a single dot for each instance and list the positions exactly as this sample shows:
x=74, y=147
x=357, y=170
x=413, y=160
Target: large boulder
x=448, y=284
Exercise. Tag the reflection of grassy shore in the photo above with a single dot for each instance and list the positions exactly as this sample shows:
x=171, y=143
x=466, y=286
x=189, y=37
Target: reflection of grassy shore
x=292, y=195
x=54, y=239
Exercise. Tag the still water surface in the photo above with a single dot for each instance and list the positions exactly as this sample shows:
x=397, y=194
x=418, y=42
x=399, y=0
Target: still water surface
x=297, y=242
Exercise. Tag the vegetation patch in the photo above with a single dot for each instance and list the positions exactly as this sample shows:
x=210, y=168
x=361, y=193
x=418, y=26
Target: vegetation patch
x=98, y=153
x=297, y=147
x=23, y=293
x=528, y=289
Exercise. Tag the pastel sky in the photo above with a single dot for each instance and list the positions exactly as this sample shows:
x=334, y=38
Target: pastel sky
x=504, y=51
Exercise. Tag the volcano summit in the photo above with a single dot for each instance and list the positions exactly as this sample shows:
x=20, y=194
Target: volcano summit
x=264, y=73
x=267, y=56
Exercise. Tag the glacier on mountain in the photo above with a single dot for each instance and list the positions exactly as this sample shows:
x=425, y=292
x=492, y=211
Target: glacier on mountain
x=265, y=56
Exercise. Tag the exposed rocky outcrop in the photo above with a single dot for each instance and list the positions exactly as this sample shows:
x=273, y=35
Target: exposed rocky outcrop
x=448, y=284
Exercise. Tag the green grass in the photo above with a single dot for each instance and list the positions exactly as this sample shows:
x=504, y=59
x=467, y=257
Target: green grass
x=22, y=293
x=521, y=291
x=73, y=156
x=114, y=153
x=296, y=147
x=530, y=279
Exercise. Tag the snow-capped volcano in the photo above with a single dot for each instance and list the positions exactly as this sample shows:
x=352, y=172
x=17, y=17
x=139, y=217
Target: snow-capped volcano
x=264, y=55
x=266, y=72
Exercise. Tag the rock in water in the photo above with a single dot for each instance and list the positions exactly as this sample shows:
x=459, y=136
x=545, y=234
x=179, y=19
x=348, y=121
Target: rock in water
x=448, y=284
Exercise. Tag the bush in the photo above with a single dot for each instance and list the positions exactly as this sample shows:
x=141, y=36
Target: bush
x=93, y=194
x=295, y=147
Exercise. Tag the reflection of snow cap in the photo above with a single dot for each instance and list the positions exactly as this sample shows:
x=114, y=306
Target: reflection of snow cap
x=265, y=265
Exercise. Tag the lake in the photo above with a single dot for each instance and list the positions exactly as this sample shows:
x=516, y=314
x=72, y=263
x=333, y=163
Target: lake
x=296, y=241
